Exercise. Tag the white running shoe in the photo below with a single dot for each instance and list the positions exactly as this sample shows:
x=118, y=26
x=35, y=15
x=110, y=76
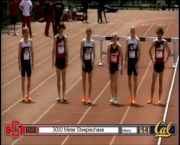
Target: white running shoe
x=112, y=100
x=64, y=99
x=58, y=99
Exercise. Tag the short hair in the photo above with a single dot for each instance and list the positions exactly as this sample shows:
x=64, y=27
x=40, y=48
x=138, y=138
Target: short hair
x=24, y=29
x=61, y=25
x=132, y=28
x=159, y=30
x=88, y=29
x=113, y=35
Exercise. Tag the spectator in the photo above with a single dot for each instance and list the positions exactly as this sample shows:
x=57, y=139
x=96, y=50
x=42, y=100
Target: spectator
x=49, y=16
x=26, y=8
x=85, y=10
x=58, y=9
x=13, y=13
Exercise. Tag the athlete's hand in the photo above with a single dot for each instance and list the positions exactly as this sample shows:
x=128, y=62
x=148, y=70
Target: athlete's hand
x=153, y=61
x=83, y=65
x=53, y=64
x=121, y=71
x=125, y=64
x=19, y=67
x=32, y=66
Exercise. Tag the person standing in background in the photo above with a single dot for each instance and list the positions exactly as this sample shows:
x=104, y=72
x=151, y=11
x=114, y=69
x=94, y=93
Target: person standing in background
x=26, y=8
x=49, y=16
x=13, y=13
x=58, y=10
x=85, y=10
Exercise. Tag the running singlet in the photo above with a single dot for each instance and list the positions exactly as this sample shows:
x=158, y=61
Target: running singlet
x=60, y=50
x=114, y=55
x=132, y=47
x=159, y=49
x=87, y=50
x=25, y=50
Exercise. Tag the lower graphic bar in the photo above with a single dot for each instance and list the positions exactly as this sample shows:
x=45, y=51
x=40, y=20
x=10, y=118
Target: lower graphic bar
x=77, y=130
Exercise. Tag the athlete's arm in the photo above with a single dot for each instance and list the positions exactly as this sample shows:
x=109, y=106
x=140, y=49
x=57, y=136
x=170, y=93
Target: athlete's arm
x=32, y=53
x=121, y=57
x=53, y=52
x=20, y=6
x=139, y=50
x=19, y=56
x=81, y=53
x=150, y=51
x=108, y=54
x=66, y=49
x=168, y=51
x=94, y=55
x=31, y=7
x=126, y=53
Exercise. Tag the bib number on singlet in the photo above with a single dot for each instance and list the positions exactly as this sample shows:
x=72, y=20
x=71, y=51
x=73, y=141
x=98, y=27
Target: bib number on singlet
x=60, y=50
x=26, y=55
x=114, y=58
x=87, y=56
x=132, y=54
x=159, y=54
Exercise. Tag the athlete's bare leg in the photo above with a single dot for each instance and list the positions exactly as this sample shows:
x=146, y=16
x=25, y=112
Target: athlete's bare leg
x=154, y=76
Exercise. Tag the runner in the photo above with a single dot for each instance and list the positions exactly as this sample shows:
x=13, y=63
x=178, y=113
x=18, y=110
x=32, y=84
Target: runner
x=26, y=8
x=26, y=62
x=60, y=60
x=87, y=54
x=131, y=61
x=114, y=56
x=160, y=45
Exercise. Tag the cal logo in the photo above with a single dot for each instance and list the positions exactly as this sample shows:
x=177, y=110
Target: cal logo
x=162, y=130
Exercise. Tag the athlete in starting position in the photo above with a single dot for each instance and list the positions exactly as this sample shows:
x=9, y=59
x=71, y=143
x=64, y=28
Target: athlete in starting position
x=131, y=61
x=60, y=60
x=115, y=56
x=160, y=45
x=26, y=62
x=87, y=54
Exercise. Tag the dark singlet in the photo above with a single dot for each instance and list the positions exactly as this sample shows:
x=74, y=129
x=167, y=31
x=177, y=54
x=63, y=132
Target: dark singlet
x=60, y=47
x=114, y=55
x=159, y=50
x=25, y=52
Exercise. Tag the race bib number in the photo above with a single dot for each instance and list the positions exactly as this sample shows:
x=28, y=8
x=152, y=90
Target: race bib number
x=131, y=54
x=114, y=58
x=87, y=56
x=159, y=54
x=26, y=55
x=60, y=50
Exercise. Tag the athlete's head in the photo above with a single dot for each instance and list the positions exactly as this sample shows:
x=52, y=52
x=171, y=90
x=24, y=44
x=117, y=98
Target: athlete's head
x=132, y=31
x=25, y=32
x=159, y=32
x=88, y=31
x=114, y=37
x=61, y=27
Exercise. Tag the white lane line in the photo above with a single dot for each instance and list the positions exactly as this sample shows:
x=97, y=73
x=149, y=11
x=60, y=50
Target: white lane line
x=127, y=110
x=86, y=112
x=38, y=86
x=18, y=76
x=5, y=66
x=169, y=97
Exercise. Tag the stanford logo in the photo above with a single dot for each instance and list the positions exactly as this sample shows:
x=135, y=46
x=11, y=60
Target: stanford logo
x=15, y=129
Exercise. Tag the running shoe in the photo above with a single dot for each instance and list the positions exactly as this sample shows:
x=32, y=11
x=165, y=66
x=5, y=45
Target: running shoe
x=83, y=100
x=89, y=101
x=64, y=99
x=29, y=98
x=133, y=100
x=150, y=101
x=58, y=99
